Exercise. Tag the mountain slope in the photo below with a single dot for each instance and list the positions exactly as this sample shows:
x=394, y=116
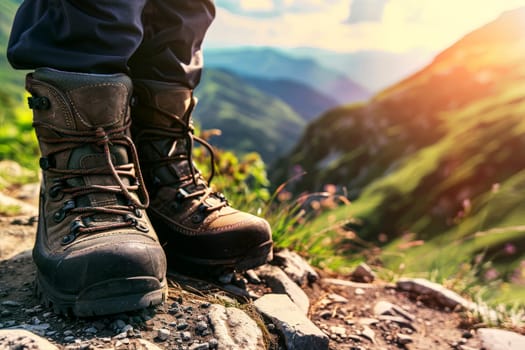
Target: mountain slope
x=249, y=119
x=271, y=64
x=304, y=100
x=435, y=160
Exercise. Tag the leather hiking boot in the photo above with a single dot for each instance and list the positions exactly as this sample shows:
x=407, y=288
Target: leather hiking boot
x=198, y=229
x=95, y=250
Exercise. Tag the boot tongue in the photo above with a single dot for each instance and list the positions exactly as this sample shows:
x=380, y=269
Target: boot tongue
x=97, y=100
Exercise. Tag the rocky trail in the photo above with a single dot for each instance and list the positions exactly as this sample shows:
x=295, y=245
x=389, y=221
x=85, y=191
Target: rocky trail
x=284, y=305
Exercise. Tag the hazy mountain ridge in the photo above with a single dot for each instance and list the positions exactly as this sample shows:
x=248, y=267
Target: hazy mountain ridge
x=269, y=63
x=304, y=100
x=372, y=69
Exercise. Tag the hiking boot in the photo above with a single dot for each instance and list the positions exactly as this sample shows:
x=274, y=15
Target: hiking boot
x=95, y=250
x=197, y=227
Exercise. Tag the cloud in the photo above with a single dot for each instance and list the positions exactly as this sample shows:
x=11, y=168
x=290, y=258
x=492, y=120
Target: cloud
x=366, y=11
x=404, y=24
x=274, y=8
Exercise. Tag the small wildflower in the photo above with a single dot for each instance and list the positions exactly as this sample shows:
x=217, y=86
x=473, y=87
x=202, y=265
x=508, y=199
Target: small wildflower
x=509, y=249
x=491, y=274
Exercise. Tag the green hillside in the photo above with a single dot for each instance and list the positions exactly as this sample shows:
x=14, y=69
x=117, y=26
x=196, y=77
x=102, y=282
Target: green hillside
x=249, y=119
x=434, y=164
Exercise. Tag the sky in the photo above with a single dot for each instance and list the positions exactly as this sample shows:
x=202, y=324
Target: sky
x=351, y=25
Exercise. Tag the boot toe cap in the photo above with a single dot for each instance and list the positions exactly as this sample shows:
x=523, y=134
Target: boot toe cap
x=98, y=259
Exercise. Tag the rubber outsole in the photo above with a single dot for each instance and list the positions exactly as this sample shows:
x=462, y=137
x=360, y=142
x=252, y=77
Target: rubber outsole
x=105, y=298
x=256, y=256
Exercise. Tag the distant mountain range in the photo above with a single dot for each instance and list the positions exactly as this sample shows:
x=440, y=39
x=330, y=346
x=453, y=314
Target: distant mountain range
x=374, y=70
x=437, y=157
x=272, y=64
x=304, y=100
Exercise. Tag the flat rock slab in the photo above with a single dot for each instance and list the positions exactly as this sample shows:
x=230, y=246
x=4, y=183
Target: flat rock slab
x=443, y=296
x=295, y=267
x=280, y=283
x=497, y=339
x=298, y=331
x=22, y=339
x=234, y=329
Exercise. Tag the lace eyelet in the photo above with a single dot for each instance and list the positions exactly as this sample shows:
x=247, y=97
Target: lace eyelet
x=55, y=192
x=76, y=225
x=62, y=212
x=141, y=227
x=68, y=239
x=59, y=216
x=197, y=218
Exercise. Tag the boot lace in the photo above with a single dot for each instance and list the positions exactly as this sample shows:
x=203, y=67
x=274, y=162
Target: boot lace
x=129, y=213
x=193, y=185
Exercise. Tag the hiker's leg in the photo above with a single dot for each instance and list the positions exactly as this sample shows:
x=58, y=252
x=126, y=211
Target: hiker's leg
x=76, y=35
x=173, y=34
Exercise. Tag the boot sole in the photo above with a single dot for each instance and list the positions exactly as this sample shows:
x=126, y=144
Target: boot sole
x=257, y=256
x=104, y=298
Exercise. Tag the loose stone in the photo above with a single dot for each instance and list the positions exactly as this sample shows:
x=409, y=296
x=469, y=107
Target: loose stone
x=163, y=334
x=296, y=267
x=119, y=324
x=497, y=339
x=11, y=303
x=201, y=326
x=127, y=328
x=359, y=291
x=186, y=336
x=213, y=343
x=91, y=330
x=234, y=329
x=363, y=273
x=404, y=339
x=69, y=339
x=121, y=335
x=6, y=313
x=280, y=283
x=298, y=331
x=201, y=346
x=182, y=325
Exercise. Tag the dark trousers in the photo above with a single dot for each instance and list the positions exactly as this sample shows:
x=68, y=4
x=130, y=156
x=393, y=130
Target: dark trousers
x=147, y=39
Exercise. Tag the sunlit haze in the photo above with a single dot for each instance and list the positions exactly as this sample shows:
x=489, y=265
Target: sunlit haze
x=351, y=25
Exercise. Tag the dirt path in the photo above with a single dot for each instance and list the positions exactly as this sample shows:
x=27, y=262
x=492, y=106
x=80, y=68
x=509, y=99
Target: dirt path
x=355, y=316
